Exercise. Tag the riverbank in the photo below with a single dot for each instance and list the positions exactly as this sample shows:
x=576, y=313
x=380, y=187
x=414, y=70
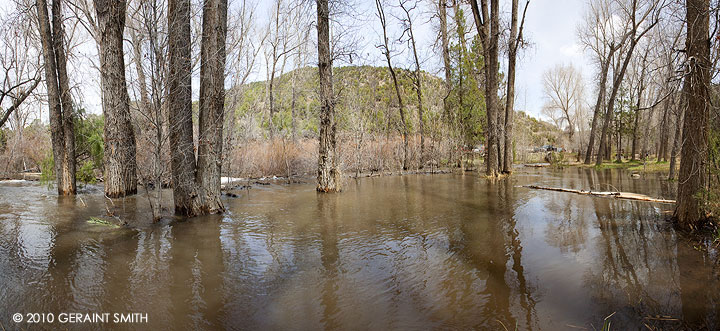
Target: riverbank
x=651, y=166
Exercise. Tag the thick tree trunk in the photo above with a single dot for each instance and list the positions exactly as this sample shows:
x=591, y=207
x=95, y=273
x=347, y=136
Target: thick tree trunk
x=68, y=114
x=182, y=151
x=694, y=154
x=212, y=105
x=59, y=103
x=328, y=176
x=120, y=165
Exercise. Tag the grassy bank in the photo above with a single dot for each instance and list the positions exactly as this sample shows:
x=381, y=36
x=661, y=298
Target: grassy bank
x=649, y=166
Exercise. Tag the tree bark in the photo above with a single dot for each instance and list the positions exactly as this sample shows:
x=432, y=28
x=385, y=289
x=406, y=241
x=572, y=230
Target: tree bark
x=694, y=155
x=59, y=102
x=212, y=105
x=328, y=176
x=182, y=152
x=119, y=139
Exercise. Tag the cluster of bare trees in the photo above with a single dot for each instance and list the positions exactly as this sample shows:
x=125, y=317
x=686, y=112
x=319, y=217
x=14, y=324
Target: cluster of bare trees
x=653, y=62
x=654, y=67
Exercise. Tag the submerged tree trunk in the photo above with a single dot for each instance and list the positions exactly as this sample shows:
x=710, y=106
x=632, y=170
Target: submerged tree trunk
x=196, y=183
x=119, y=139
x=211, y=105
x=694, y=154
x=59, y=102
x=328, y=177
x=182, y=152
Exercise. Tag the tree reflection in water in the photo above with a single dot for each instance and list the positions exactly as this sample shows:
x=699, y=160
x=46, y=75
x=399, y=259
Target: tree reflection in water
x=404, y=252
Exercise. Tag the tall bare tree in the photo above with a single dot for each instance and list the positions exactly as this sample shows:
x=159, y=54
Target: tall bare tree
x=514, y=43
x=487, y=23
x=386, y=50
x=59, y=99
x=564, y=91
x=328, y=176
x=640, y=26
x=604, y=38
x=417, y=73
x=692, y=178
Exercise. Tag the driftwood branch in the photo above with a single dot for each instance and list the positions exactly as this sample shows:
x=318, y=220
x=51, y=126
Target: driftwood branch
x=616, y=195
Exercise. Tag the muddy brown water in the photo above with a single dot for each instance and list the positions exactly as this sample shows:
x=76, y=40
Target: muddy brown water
x=400, y=252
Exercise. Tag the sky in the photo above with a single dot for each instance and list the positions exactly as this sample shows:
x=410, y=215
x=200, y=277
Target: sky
x=550, y=27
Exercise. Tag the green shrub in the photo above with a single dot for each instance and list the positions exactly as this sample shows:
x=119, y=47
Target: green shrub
x=86, y=173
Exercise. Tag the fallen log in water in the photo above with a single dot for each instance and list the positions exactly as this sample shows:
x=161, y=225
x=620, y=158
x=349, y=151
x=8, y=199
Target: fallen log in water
x=617, y=195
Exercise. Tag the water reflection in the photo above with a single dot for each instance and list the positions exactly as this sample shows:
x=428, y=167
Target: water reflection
x=412, y=252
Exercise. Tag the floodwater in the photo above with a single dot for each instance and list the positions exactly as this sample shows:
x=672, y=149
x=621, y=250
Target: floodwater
x=398, y=252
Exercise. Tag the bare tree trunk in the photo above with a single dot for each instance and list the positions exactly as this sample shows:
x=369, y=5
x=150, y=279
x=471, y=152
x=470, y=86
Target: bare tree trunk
x=212, y=105
x=489, y=32
x=59, y=102
x=694, y=154
x=599, y=107
x=182, y=152
x=401, y=106
x=676, y=143
x=636, y=124
x=515, y=40
x=417, y=77
x=119, y=138
x=447, y=111
x=293, y=105
x=328, y=176
x=664, y=134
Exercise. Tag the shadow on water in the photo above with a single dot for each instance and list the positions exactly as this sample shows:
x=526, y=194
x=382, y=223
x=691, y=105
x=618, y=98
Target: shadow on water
x=410, y=252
